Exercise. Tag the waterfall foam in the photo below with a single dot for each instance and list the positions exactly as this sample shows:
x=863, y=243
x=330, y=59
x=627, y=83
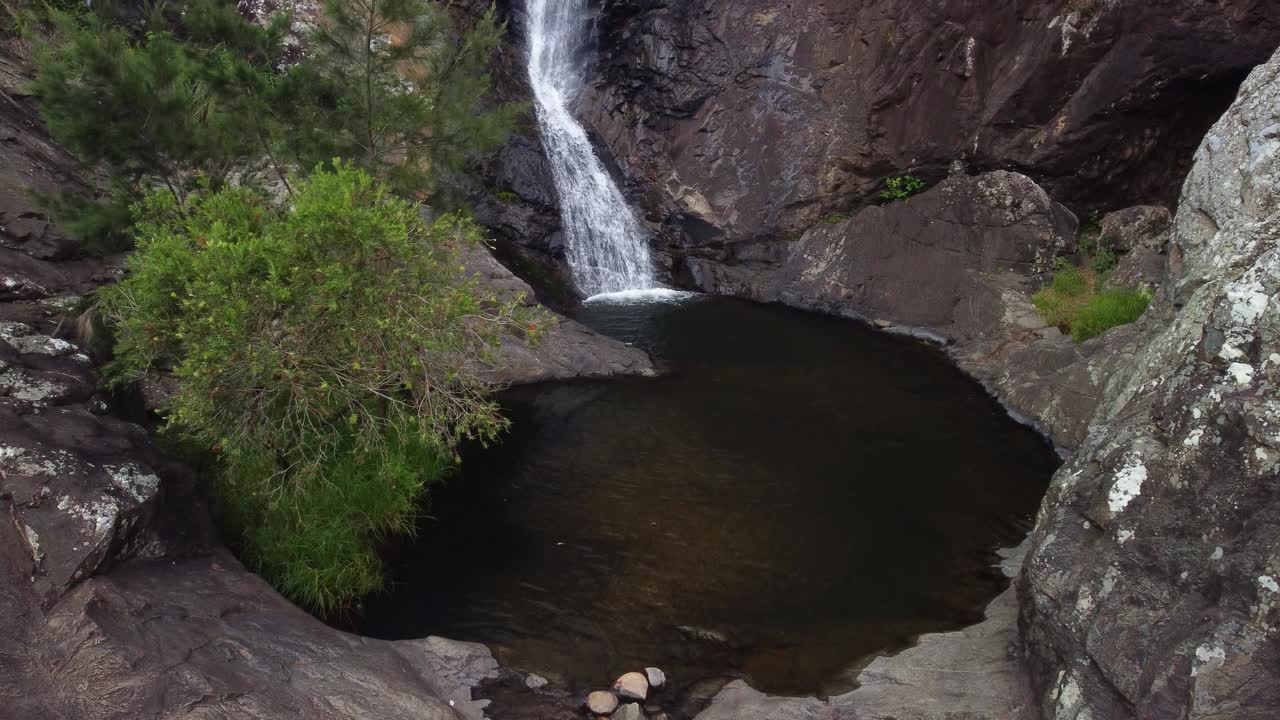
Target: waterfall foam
x=606, y=247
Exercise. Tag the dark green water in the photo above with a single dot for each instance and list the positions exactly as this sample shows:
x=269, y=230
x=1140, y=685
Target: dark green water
x=805, y=490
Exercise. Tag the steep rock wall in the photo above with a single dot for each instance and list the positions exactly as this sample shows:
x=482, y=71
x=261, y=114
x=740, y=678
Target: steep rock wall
x=737, y=125
x=1152, y=588
x=757, y=118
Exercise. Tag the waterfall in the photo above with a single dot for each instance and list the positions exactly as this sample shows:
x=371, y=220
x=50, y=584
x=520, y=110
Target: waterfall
x=606, y=247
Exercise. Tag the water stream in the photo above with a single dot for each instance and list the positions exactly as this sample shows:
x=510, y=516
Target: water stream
x=607, y=248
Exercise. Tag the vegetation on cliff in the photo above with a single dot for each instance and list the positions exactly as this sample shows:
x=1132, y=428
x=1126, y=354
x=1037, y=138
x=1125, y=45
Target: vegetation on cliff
x=327, y=344
x=1078, y=304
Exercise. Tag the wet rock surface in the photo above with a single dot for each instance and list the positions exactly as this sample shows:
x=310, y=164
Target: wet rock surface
x=568, y=350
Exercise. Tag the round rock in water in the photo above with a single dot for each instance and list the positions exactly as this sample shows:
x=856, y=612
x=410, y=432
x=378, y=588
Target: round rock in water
x=630, y=711
x=656, y=677
x=535, y=682
x=632, y=686
x=602, y=702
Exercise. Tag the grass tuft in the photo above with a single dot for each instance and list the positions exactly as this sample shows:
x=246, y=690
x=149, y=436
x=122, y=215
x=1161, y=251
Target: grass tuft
x=1075, y=302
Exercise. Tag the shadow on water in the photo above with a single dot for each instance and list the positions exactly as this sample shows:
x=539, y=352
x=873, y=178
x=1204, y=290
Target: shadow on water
x=800, y=492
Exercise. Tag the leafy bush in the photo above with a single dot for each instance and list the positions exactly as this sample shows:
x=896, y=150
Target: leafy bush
x=1074, y=303
x=330, y=354
x=901, y=188
x=834, y=218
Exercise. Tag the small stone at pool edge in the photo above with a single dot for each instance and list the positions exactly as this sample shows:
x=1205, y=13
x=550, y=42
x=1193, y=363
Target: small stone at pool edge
x=656, y=677
x=535, y=682
x=632, y=686
x=630, y=711
x=602, y=702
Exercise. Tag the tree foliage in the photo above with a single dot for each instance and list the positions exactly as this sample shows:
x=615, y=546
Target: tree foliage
x=332, y=354
x=163, y=107
x=401, y=92
x=194, y=93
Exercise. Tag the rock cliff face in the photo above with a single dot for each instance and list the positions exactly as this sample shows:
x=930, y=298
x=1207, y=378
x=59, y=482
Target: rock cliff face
x=1153, y=585
x=1089, y=98
x=744, y=122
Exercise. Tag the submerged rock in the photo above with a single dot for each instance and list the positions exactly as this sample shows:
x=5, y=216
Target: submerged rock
x=656, y=677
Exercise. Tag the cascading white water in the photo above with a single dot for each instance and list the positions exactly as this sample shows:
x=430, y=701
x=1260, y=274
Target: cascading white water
x=606, y=247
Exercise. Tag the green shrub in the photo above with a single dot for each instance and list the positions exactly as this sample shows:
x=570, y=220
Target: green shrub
x=834, y=218
x=1108, y=309
x=901, y=188
x=506, y=197
x=330, y=354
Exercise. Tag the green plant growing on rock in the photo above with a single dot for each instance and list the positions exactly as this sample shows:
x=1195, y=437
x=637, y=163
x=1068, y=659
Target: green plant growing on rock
x=1075, y=302
x=900, y=188
x=834, y=218
x=331, y=354
x=1104, y=260
x=1107, y=309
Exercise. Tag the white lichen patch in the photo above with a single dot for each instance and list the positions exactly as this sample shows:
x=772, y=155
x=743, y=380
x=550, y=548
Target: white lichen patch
x=1068, y=700
x=1266, y=582
x=1127, y=486
x=135, y=483
x=19, y=385
x=97, y=516
x=42, y=345
x=1208, y=658
x=1230, y=352
x=1109, y=581
x=1217, y=554
x=1193, y=438
x=11, y=330
x=1241, y=373
x=1248, y=300
x=33, y=542
x=1124, y=536
x=64, y=303
x=1084, y=601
